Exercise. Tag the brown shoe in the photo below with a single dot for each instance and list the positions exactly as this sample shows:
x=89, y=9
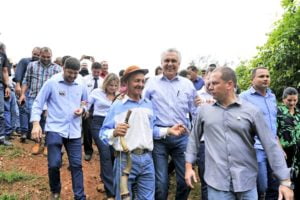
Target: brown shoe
x=36, y=149
x=45, y=152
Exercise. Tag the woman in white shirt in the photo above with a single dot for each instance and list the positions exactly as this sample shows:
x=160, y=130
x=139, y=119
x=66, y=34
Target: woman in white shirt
x=101, y=99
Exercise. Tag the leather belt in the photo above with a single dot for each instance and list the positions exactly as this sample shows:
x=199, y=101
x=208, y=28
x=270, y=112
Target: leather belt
x=136, y=151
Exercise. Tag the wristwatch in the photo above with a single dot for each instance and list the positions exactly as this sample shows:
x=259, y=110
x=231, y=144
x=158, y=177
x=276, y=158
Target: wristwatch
x=288, y=184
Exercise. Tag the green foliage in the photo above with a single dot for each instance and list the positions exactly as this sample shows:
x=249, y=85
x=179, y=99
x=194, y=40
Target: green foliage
x=14, y=176
x=9, y=197
x=11, y=152
x=281, y=53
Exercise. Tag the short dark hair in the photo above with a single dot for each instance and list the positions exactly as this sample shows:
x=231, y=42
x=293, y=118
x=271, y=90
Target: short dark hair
x=253, y=73
x=72, y=63
x=46, y=49
x=63, y=60
x=156, y=70
x=183, y=73
x=2, y=47
x=213, y=66
x=289, y=91
x=228, y=74
x=121, y=72
x=193, y=68
x=96, y=65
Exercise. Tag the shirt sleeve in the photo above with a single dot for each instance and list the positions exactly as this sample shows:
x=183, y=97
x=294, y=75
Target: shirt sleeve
x=194, y=140
x=27, y=76
x=274, y=153
x=40, y=101
x=106, y=131
x=20, y=70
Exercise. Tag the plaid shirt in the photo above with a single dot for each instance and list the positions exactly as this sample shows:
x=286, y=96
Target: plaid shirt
x=37, y=74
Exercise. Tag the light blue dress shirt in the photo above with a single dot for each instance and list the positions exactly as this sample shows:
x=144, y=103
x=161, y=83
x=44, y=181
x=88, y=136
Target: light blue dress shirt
x=101, y=103
x=172, y=101
x=62, y=100
x=267, y=105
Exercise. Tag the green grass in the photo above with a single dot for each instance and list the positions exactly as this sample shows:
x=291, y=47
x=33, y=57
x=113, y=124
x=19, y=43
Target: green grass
x=11, y=152
x=9, y=197
x=14, y=176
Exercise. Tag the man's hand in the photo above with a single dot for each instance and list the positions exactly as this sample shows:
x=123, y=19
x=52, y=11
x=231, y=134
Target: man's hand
x=36, y=132
x=22, y=99
x=177, y=130
x=18, y=89
x=121, y=129
x=285, y=193
x=190, y=175
x=7, y=92
x=86, y=115
x=78, y=112
x=198, y=101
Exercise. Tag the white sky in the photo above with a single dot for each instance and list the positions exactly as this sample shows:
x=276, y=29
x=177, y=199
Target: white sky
x=127, y=32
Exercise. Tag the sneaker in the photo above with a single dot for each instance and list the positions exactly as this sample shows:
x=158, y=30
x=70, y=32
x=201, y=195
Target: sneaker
x=23, y=138
x=36, y=149
x=87, y=157
x=45, y=152
x=5, y=142
x=55, y=196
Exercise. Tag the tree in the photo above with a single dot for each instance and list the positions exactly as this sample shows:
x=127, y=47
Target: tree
x=280, y=54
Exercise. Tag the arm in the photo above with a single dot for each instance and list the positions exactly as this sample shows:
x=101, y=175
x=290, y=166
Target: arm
x=20, y=71
x=274, y=154
x=37, y=109
x=6, y=82
x=192, y=150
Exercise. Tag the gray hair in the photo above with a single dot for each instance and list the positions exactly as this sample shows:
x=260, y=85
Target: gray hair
x=171, y=50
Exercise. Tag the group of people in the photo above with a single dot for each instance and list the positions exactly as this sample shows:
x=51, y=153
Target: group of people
x=243, y=144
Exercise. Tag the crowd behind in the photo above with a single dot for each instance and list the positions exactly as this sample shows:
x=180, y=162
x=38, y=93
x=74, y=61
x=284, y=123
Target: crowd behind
x=178, y=120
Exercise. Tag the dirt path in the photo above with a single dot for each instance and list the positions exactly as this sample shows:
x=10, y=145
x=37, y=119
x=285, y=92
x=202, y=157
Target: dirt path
x=20, y=159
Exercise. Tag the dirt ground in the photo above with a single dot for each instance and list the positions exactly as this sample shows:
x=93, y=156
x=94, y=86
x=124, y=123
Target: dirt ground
x=19, y=158
x=38, y=189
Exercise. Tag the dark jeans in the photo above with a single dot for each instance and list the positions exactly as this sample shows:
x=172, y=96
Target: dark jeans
x=267, y=184
x=87, y=136
x=201, y=169
x=2, y=120
x=174, y=146
x=106, y=157
x=73, y=149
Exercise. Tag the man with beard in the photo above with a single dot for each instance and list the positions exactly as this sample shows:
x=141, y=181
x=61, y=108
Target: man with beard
x=19, y=76
x=4, y=92
x=37, y=73
x=65, y=97
x=173, y=99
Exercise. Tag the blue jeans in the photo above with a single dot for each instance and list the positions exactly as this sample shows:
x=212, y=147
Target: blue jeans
x=201, y=169
x=2, y=120
x=73, y=149
x=24, y=120
x=106, y=157
x=214, y=194
x=10, y=113
x=267, y=184
x=141, y=176
x=174, y=146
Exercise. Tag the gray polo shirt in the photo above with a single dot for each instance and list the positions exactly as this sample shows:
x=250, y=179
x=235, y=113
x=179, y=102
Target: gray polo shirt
x=230, y=159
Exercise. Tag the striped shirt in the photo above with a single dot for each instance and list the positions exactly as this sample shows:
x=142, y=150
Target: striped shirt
x=37, y=74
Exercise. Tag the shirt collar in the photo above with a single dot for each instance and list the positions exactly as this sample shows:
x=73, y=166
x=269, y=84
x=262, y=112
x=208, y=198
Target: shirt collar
x=127, y=98
x=163, y=77
x=253, y=91
x=238, y=102
x=62, y=80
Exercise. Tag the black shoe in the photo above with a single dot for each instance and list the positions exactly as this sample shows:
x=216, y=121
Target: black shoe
x=5, y=142
x=23, y=138
x=87, y=157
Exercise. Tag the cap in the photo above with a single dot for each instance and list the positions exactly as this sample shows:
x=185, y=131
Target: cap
x=133, y=69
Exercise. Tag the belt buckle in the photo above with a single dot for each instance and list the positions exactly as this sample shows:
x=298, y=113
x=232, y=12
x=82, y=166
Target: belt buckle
x=138, y=151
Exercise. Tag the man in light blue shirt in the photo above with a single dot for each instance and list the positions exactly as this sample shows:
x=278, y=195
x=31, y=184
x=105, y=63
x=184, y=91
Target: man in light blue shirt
x=173, y=98
x=65, y=97
x=261, y=96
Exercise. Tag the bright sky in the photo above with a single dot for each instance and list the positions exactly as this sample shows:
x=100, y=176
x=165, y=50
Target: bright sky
x=126, y=32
